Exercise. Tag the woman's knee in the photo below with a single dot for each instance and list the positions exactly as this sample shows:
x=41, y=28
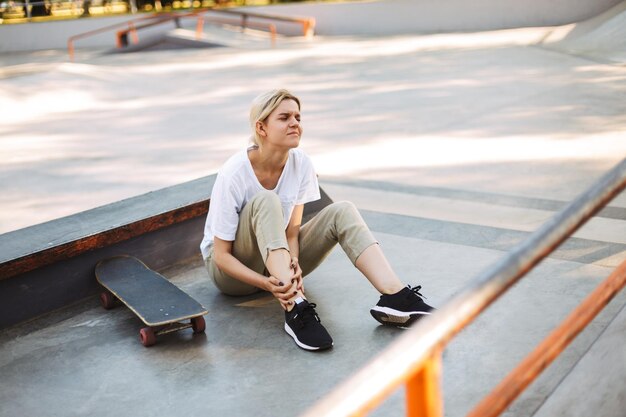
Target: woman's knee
x=344, y=208
x=230, y=286
x=344, y=214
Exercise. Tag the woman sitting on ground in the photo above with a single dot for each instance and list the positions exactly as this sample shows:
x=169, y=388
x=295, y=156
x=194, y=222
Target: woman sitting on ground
x=254, y=240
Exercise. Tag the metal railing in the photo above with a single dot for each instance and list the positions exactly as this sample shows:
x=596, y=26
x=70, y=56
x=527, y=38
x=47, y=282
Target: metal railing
x=307, y=23
x=242, y=19
x=201, y=19
x=415, y=358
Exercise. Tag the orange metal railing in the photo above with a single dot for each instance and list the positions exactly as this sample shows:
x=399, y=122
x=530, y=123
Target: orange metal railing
x=307, y=23
x=414, y=359
x=241, y=18
x=271, y=28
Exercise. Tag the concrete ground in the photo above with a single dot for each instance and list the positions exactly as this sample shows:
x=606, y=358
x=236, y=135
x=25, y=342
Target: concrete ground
x=452, y=111
x=88, y=361
x=454, y=147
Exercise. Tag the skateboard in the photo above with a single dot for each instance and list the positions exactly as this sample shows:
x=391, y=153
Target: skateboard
x=161, y=305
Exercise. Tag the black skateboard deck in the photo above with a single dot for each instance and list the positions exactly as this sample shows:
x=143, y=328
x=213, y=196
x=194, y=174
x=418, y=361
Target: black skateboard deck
x=161, y=305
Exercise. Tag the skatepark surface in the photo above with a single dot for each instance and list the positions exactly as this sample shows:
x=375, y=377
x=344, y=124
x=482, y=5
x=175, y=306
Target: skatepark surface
x=454, y=147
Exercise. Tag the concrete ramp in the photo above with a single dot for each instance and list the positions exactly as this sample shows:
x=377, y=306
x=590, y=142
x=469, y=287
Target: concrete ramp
x=602, y=37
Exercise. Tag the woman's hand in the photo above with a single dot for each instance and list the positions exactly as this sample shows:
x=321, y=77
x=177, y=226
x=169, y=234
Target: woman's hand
x=280, y=290
x=284, y=291
x=296, y=277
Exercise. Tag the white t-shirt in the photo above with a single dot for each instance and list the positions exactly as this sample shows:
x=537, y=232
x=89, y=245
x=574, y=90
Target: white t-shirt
x=237, y=183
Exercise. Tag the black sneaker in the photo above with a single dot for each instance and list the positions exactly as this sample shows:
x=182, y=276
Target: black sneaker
x=402, y=308
x=304, y=325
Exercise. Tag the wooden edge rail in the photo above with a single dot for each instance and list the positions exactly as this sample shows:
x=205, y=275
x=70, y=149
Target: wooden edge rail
x=409, y=355
x=105, y=238
x=44, y=244
x=544, y=354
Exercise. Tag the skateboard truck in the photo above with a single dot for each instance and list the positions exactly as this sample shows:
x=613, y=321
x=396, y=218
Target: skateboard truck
x=148, y=335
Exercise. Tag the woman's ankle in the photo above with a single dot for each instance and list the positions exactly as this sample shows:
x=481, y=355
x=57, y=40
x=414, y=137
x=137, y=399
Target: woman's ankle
x=297, y=298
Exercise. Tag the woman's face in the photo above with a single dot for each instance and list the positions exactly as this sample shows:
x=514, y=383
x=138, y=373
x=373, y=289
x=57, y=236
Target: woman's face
x=282, y=127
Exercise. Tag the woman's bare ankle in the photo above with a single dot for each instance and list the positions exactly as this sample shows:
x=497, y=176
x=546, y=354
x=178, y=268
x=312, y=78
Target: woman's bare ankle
x=293, y=300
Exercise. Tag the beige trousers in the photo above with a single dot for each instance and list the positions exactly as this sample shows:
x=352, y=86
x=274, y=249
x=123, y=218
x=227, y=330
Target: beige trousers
x=261, y=230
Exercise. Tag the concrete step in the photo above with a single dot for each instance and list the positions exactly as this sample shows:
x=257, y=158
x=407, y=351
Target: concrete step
x=486, y=221
x=596, y=386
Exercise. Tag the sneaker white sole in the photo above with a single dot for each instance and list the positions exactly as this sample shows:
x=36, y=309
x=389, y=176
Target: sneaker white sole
x=391, y=317
x=302, y=345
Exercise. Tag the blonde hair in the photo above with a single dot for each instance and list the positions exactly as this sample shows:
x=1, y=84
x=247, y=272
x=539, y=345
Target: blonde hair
x=264, y=105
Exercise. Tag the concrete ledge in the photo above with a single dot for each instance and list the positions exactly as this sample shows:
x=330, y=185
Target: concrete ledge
x=57, y=285
x=50, y=265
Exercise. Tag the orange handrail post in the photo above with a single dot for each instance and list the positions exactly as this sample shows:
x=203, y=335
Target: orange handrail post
x=272, y=28
x=199, y=27
x=133, y=32
x=308, y=27
x=423, y=390
x=120, y=38
x=544, y=354
x=70, y=49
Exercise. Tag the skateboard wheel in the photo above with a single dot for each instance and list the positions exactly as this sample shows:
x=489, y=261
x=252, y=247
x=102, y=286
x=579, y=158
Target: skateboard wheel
x=107, y=300
x=147, y=336
x=198, y=324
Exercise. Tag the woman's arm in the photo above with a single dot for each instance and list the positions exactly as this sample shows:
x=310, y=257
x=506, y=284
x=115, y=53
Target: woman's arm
x=293, y=232
x=225, y=261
